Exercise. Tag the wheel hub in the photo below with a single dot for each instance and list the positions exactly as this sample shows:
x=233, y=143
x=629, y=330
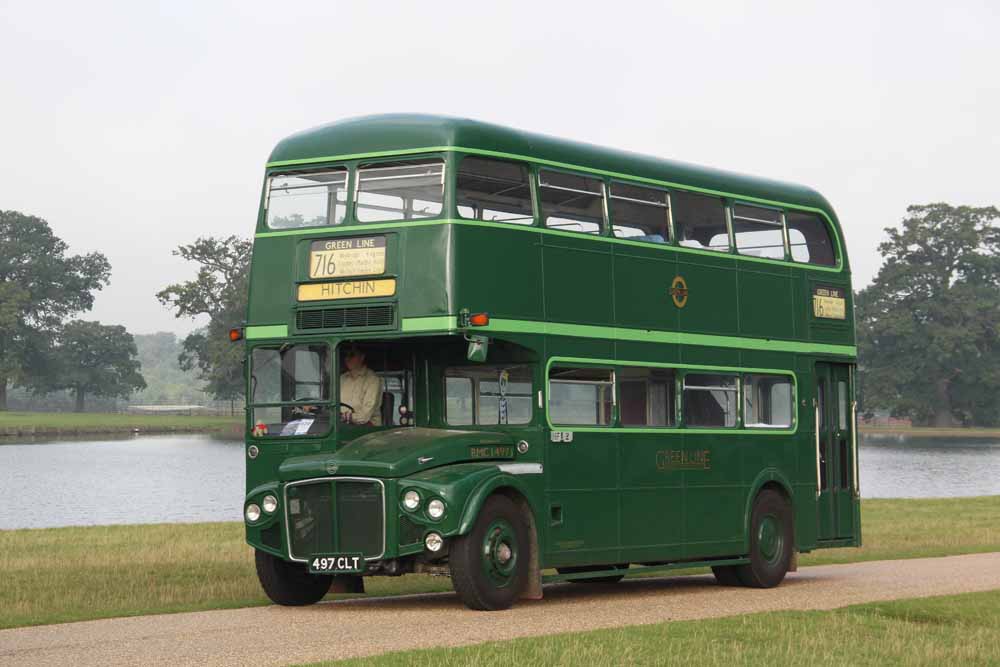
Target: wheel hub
x=500, y=552
x=769, y=538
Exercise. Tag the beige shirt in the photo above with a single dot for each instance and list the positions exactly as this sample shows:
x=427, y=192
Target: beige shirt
x=362, y=390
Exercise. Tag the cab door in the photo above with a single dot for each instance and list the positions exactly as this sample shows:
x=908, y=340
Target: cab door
x=835, y=451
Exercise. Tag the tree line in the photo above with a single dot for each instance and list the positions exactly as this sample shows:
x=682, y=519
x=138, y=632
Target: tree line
x=43, y=287
x=928, y=325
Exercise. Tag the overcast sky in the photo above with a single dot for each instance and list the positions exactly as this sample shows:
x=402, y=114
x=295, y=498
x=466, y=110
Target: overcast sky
x=134, y=127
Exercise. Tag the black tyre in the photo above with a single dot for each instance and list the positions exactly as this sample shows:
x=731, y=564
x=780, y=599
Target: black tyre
x=771, y=541
x=612, y=579
x=290, y=584
x=727, y=575
x=489, y=566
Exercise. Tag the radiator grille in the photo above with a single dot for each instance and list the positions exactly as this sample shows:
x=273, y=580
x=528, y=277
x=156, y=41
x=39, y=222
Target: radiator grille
x=335, y=516
x=352, y=317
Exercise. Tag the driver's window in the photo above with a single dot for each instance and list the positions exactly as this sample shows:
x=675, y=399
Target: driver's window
x=290, y=390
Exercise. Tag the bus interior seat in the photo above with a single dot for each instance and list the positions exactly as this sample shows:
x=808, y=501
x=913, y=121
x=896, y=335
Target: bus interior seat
x=388, y=408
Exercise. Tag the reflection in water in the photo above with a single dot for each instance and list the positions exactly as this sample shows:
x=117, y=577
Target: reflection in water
x=188, y=478
x=908, y=467
x=145, y=479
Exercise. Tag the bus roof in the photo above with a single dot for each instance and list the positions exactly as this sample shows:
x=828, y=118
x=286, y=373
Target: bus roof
x=400, y=133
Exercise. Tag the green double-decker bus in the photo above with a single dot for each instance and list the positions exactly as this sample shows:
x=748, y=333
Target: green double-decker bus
x=515, y=359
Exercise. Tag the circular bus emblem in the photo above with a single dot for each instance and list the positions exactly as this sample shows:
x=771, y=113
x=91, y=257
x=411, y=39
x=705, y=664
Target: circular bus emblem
x=331, y=468
x=679, y=291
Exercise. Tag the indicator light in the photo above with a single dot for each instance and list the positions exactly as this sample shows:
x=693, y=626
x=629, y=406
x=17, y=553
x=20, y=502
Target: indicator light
x=479, y=319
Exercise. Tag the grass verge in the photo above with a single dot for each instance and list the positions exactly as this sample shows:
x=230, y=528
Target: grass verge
x=955, y=629
x=55, y=575
x=21, y=424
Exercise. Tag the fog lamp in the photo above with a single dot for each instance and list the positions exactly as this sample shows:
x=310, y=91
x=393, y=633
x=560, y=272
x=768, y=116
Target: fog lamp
x=270, y=504
x=411, y=500
x=252, y=512
x=433, y=542
x=435, y=509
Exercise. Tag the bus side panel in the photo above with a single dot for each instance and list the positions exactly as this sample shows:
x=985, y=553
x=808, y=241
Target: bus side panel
x=714, y=493
x=765, y=294
x=652, y=497
x=712, y=294
x=642, y=298
x=501, y=270
x=578, y=280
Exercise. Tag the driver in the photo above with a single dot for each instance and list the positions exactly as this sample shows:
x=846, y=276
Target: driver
x=361, y=389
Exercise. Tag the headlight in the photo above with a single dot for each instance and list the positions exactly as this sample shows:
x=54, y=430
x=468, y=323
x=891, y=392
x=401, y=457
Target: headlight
x=270, y=504
x=435, y=509
x=252, y=512
x=411, y=500
x=433, y=542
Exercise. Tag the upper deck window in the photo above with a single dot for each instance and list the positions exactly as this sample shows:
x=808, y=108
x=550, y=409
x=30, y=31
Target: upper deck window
x=758, y=231
x=809, y=239
x=640, y=213
x=307, y=199
x=700, y=221
x=400, y=191
x=494, y=190
x=571, y=203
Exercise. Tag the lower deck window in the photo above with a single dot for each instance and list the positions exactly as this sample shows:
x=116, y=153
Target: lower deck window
x=583, y=396
x=488, y=395
x=710, y=400
x=647, y=397
x=767, y=401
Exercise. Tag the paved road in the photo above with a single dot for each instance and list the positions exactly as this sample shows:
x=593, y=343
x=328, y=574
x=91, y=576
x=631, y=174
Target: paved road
x=279, y=636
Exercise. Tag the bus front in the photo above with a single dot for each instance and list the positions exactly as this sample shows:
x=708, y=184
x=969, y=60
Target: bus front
x=376, y=428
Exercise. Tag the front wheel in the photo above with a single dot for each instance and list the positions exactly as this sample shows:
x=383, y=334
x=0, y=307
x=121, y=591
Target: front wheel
x=290, y=584
x=489, y=566
x=771, y=541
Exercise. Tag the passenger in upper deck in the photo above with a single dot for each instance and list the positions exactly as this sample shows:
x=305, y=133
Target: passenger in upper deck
x=361, y=389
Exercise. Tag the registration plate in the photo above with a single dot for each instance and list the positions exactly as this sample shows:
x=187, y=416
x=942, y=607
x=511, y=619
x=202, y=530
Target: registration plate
x=341, y=258
x=336, y=564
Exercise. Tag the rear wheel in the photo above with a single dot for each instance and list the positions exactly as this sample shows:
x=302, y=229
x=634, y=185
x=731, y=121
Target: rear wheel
x=611, y=579
x=489, y=566
x=290, y=584
x=771, y=541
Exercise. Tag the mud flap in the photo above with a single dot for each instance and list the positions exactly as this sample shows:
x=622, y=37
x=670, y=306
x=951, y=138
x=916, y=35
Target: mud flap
x=533, y=589
x=794, y=565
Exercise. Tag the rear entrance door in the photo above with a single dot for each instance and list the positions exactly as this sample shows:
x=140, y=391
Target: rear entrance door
x=836, y=462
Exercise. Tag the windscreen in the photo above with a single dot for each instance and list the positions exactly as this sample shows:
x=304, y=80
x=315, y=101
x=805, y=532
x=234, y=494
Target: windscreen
x=290, y=390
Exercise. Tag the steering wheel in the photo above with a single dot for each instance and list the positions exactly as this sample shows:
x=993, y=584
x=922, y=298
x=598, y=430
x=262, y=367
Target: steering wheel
x=300, y=410
x=345, y=405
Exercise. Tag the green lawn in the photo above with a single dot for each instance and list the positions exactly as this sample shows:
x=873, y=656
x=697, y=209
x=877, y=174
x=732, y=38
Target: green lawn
x=950, y=630
x=68, y=574
x=71, y=423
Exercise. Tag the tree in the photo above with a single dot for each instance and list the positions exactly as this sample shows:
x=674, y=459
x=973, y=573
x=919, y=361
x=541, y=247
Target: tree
x=220, y=292
x=40, y=285
x=93, y=359
x=929, y=324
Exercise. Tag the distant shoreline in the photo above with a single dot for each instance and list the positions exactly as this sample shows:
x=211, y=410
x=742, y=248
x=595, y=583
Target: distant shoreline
x=49, y=424
x=932, y=432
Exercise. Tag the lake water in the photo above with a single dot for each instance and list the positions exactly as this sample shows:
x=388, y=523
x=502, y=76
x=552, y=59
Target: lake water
x=189, y=478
